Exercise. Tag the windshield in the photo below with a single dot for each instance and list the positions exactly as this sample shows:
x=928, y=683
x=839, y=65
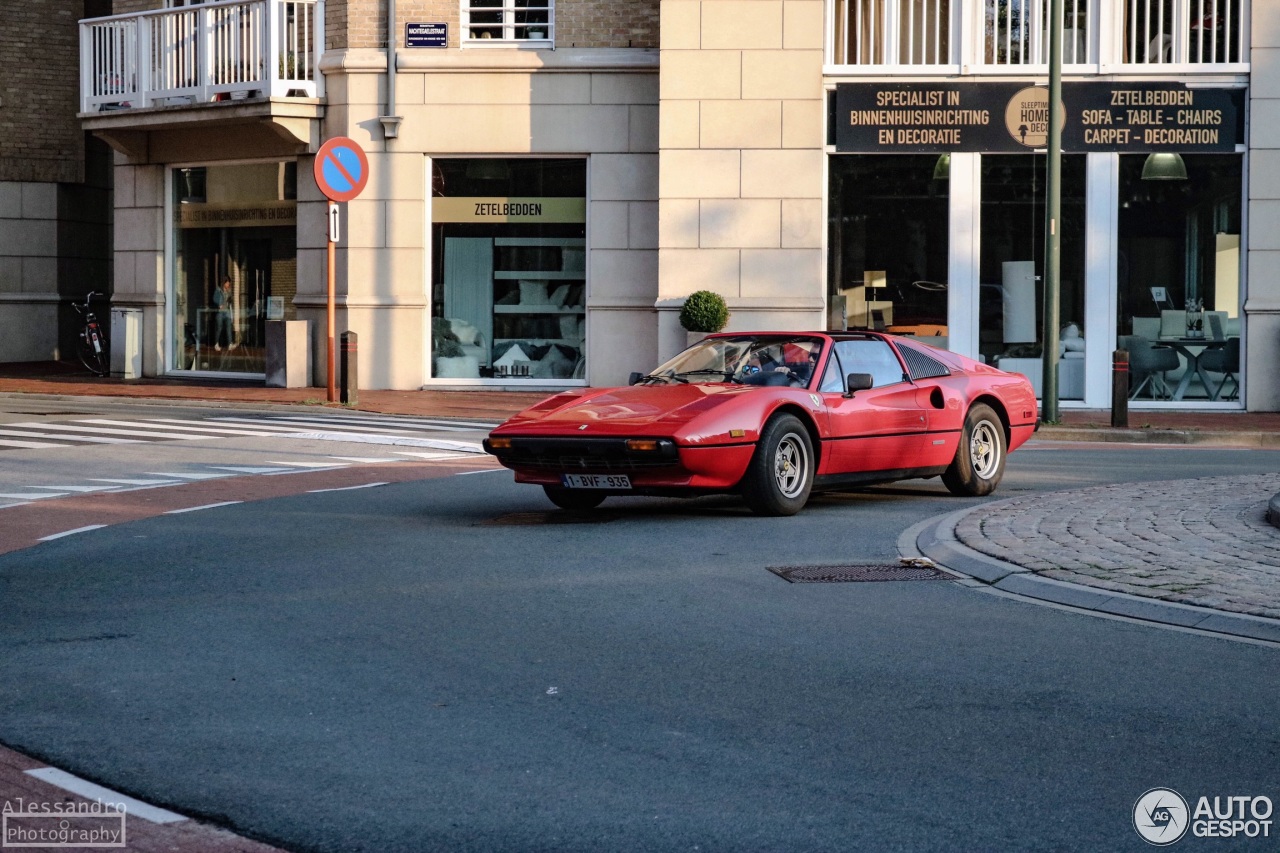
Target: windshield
x=745, y=360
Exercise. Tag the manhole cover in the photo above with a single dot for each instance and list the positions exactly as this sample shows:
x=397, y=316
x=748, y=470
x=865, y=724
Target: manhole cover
x=533, y=519
x=857, y=574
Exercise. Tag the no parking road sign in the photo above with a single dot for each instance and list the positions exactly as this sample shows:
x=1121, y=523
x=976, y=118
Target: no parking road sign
x=341, y=169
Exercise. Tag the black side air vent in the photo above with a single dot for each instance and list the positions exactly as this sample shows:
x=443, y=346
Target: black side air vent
x=921, y=365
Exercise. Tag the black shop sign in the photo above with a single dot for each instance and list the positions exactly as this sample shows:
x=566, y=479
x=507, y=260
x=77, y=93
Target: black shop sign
x=1011, y=117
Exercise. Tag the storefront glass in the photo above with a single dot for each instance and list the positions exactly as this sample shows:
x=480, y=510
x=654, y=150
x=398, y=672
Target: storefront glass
x=1011, y=302
x=235, y=263
x=1178, y=275
x=889, y=230
x=508, y=294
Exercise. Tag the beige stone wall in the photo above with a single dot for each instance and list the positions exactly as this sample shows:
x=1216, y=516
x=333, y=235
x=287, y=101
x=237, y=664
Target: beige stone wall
x=579, y=23
x=607, y=115
x=1262, y=308
x=741, y=162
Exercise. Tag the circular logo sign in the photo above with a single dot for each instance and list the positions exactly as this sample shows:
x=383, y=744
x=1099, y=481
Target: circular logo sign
x=1027, y=117
x=1160, y=816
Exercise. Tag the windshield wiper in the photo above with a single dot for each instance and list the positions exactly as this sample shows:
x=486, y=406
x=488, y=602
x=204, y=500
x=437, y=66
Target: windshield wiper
x=664, y=377
x=727, y=374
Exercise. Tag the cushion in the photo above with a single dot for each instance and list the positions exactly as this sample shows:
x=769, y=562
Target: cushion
x=465, y=332
x=533, y=293
x=457, y=367
x=559, y=295
x=511, y=356
x=570, y=327
x=553, y=365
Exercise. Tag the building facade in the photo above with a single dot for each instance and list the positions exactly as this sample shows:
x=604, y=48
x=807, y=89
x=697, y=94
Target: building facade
x=55, y=183
x=549, y=180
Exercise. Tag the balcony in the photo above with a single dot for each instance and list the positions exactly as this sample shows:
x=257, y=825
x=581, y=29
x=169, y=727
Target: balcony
x=1183, y=37
x=202, y=54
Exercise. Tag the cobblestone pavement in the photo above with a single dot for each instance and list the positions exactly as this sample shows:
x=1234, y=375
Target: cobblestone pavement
x=1204, y=541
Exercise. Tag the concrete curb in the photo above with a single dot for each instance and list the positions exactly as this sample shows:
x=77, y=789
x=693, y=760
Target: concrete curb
x=1246, y=438
x=936, y=539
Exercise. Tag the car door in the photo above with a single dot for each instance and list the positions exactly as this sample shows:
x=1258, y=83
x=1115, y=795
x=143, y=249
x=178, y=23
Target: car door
x=877, y=429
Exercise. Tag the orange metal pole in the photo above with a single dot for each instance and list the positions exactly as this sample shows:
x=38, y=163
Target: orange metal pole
x=331, y=312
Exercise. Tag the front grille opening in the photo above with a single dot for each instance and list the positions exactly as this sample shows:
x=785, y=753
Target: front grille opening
x=859, y=573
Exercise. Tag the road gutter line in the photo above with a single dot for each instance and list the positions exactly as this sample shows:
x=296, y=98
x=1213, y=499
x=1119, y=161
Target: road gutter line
x=90, y=791
x=202, y=506
x=53, y=536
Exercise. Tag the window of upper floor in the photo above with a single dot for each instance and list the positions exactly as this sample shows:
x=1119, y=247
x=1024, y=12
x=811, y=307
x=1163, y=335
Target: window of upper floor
x=508, y=23
x=995, y=36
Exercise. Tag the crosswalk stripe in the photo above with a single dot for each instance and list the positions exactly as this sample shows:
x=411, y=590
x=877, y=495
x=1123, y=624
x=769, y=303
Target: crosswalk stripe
x=368, y=459
x=244, y=469
x=74, y=488
x=171, y=423
x=394, y=423
x=31, y=496
x=28, y=444
x=309, y=464
x=258, y=424
x=135, y=482
x=340, y=426
x=53, y=434
x=112, y=431
x=187, y=476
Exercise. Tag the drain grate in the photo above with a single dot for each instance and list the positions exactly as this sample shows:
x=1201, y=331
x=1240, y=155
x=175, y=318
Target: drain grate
x=535, y=519
x=858, y=574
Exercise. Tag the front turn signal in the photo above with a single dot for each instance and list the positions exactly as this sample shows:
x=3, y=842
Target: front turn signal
x=642, y=444
x=500, y=443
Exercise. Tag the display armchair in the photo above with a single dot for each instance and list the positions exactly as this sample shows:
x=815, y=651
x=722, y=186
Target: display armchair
x=1224, y=360
x=1148, y=365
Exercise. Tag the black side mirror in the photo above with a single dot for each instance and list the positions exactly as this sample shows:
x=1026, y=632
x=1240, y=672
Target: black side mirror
x=856, y=382
x=636, y=376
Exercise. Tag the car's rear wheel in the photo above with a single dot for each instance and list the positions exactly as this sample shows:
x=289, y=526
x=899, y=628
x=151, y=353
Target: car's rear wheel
x=780, y=476
x=979, y=462
x=576, y=499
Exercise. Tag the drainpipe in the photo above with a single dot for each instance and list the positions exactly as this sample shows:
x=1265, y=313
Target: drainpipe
x=391, y=121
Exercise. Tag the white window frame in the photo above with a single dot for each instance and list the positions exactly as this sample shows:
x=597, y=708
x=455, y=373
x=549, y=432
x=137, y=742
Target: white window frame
x=513, y=34
x=892, y=22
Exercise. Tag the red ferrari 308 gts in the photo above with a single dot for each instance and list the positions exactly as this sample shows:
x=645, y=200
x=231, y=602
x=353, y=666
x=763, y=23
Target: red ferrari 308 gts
x=773, y=416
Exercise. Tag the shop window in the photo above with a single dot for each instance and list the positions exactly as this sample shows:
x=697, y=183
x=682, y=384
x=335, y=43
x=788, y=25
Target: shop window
x=1017, y=32
x=493, y=22
x=889, y=232
x=1183, y=31
x=235, y=263
x=509, y=279
x=1178, y=274
x=1011, y=300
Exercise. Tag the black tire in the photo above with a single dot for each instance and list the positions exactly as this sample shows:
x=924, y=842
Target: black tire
x=94, y=360
x=780, y=477
x=574, y=499
x=979, y=462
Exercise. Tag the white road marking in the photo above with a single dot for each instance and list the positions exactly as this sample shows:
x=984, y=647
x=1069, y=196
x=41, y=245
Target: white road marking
x=244, y=469
x=74, y=488
x=440, y=454
x=28, y=444
x=31, y=496
x=368, y=459
x=204, y=506
x=346, y=488
x=71, y=533
x=390, y=423
x=111, y=431
x=257, y=423
x=188, y=476
x=396, y=440
x=355, y=429
x=310, y=464
x=485, y=471
x=173, y=423
x=90, y=791
x=53, y=434
x=134, y=482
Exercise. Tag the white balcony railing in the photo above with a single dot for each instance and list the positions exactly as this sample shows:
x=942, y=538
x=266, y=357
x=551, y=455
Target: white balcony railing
x=196, y=54
x=1011, y=36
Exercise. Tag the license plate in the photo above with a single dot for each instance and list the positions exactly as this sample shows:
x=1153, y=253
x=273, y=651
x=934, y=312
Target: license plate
x=595, y=481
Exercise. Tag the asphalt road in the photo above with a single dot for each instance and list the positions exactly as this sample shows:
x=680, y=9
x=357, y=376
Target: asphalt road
x=434, y=666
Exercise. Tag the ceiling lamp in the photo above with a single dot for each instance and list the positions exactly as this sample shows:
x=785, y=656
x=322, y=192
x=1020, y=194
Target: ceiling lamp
x=1164, y=167
x=942, y=169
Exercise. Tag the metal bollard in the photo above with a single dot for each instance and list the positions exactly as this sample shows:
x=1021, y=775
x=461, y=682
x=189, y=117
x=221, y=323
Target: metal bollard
x=1120, y=389
x=347, y=368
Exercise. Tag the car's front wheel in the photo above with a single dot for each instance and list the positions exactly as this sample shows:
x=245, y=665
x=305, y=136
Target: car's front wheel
x=979, y=462
x=576, y=499
x=780, y=476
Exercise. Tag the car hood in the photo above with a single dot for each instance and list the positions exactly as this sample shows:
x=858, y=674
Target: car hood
x=629, y=409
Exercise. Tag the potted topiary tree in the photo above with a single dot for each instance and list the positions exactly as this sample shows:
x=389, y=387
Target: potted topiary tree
x=703, y=313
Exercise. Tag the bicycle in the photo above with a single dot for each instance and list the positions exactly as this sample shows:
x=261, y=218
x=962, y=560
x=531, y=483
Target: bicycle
x=92, y=346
